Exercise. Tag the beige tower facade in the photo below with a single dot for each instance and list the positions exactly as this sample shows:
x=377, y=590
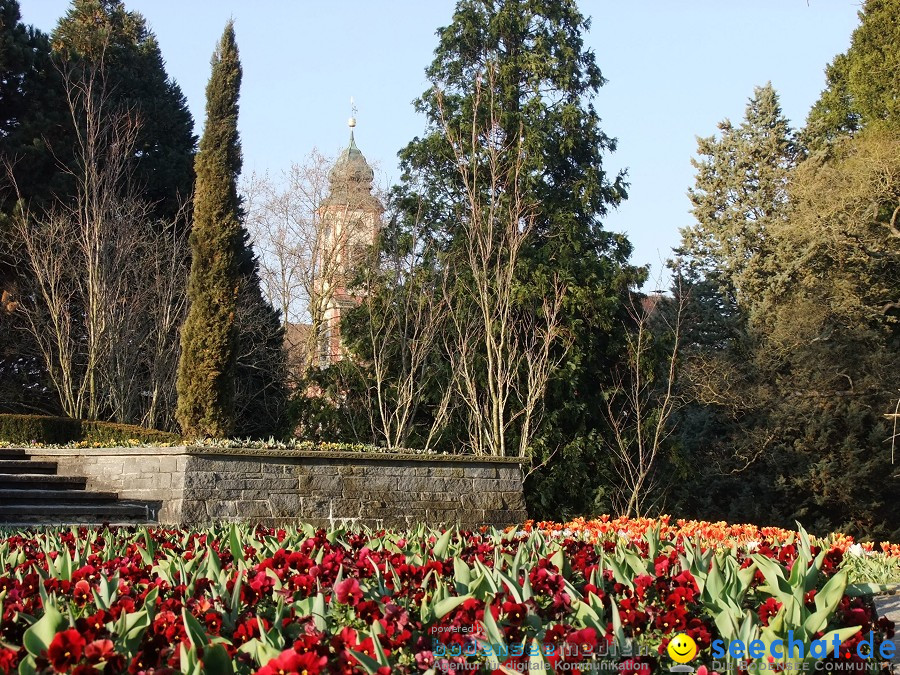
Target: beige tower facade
x=350, y=219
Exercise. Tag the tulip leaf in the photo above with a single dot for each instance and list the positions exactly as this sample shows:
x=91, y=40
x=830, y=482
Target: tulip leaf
x=559, y=559
x=462, y=575
x=859, y=590
x=27, y=666
x=234, y=543
x=536, y=658
x=41, y=633
x=843, y=634
x=492, y=630
x=442, y=546
x=366, y=662
x=216, y=661
x=196, y=633
x=318, y=611
x=443, y=607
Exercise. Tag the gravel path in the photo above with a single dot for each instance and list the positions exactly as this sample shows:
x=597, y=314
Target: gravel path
x=889, y=606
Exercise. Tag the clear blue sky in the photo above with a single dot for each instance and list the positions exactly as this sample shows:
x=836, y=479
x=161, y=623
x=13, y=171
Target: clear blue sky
x=675, y=68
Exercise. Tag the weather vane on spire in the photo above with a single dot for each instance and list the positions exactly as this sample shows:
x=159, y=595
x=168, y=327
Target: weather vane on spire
x=352, y=121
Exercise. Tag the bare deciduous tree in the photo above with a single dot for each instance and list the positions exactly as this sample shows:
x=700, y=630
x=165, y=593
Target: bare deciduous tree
x=640, y=404
x=283, y=217
x=107, y=282
x=504, y=353
x=406, y=318
x=300, y=257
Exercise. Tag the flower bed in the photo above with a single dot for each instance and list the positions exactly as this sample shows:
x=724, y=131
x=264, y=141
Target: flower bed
x=298, y=600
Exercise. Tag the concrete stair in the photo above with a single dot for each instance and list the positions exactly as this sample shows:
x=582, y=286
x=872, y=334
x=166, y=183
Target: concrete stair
x=32, y=493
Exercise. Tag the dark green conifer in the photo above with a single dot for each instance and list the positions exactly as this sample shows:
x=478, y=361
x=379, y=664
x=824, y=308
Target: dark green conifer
x=862, y=83
x=544, y=88
x=206, y=372
x=261, y=394
x=134, y=74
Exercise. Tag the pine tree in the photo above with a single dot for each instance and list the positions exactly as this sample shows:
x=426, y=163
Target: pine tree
x=206, y=374
x=739, y=196
x=791, y=359
x=725, y=264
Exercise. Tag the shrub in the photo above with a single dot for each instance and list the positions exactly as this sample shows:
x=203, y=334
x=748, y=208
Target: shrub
x=39, y=429
x=26, y=429
x=117, y=434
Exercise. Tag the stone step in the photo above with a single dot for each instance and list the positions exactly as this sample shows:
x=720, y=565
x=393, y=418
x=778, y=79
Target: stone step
x=24, y=481
x=13, y=453
x=120, y=513
x=19, y=466
x=38, y=496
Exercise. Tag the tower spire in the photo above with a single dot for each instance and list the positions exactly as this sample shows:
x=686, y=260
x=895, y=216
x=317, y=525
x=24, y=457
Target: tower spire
x=352, y=121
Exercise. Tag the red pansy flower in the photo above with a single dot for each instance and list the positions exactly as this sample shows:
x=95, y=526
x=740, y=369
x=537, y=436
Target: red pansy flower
x=65, y=650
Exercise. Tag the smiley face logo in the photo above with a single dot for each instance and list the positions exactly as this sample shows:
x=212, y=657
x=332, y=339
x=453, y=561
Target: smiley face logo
x=682, y=648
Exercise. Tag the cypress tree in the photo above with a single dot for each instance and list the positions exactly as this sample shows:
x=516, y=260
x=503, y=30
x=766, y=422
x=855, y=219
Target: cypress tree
x=206, y=372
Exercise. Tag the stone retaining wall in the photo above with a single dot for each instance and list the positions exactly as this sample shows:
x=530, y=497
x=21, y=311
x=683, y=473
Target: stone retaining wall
x=204, y=485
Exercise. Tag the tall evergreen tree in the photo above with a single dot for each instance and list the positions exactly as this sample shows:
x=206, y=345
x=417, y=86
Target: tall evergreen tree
x=31, y=112
x=96, y=31
x=790, y=356
x=862, y=83
x=233, y=371
x=725, y=264
x=206, y=372
x=739, y=196
x=544, y=84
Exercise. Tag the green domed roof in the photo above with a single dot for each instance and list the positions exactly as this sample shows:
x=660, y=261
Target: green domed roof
x=351, y=168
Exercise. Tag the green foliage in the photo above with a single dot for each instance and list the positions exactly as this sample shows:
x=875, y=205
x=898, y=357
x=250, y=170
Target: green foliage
x=863, y=82
x=31, y=112
x=38, y=135
x=233, y=370
x=331, y=405
x=27, y=429
x=39, y=428
x=791, y=361
x=873, y=568
x=206, y=372
x=261, y=395
x=109, y=433
x=740, y=194
x=95, y=31
x=542, y=91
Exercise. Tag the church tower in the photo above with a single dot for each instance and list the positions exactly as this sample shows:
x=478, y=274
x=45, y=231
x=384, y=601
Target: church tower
x=349, y=218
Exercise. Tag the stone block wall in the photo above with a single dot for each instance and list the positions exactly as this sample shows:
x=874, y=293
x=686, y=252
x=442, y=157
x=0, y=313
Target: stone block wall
x=204, y=485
